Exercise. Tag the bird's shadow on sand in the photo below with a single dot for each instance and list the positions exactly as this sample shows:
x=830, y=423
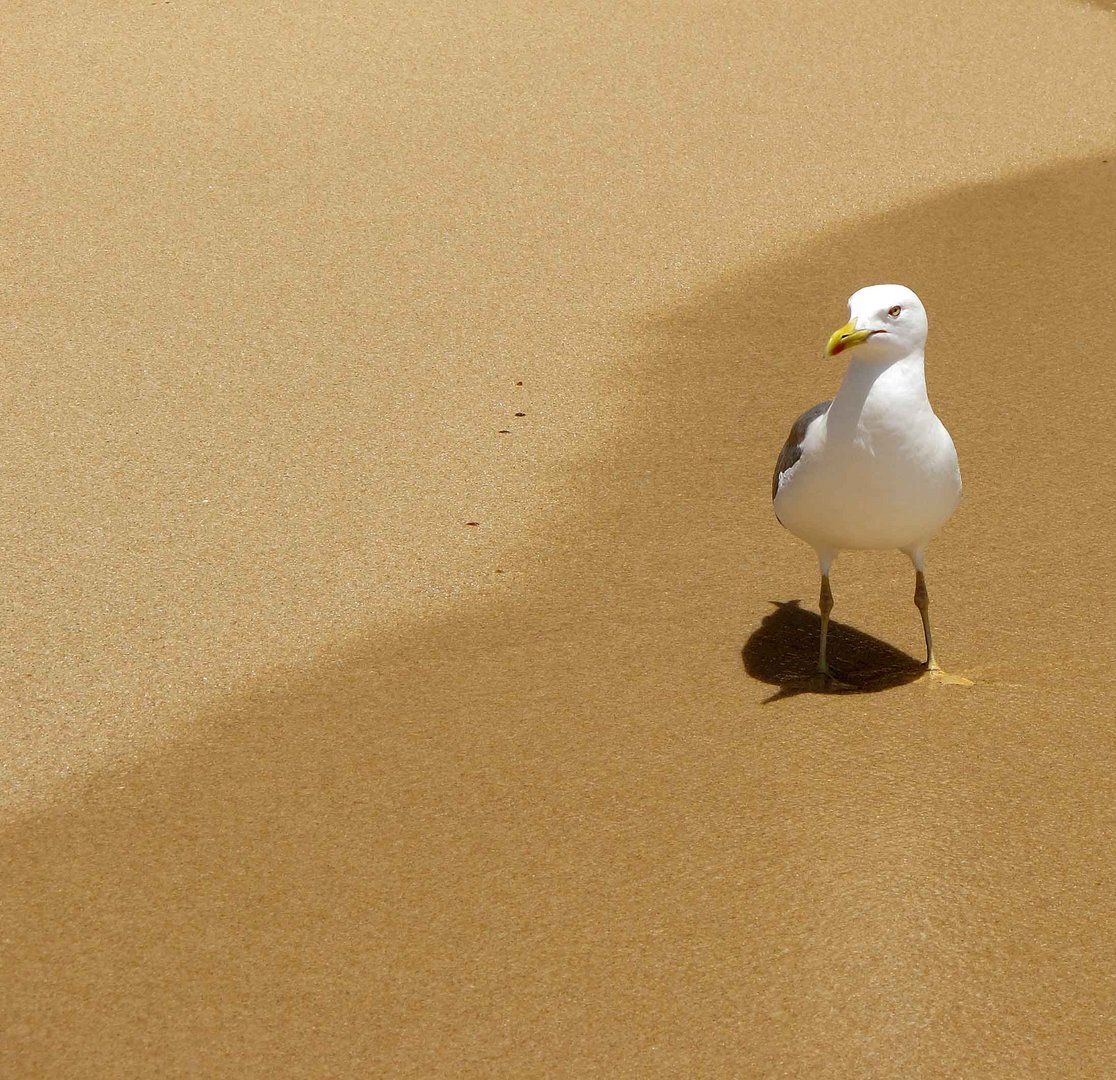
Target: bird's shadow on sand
x=783, y=652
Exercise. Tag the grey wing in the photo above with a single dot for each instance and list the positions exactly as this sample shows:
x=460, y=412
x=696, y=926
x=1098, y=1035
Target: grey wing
x=792, y=448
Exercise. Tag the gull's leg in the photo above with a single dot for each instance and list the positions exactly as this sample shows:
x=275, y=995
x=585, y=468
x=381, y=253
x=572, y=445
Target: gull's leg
x=825, y=606
x=922, y=602
x=917, y=555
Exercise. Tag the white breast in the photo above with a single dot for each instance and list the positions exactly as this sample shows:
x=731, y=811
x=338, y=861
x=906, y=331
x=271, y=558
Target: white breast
x=877, y=471
x=890, y=492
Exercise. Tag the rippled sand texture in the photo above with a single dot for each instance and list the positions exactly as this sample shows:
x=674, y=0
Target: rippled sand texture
x=306, y=775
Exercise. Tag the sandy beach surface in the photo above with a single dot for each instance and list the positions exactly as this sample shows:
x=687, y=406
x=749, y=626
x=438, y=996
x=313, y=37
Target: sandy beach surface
x=403, y=669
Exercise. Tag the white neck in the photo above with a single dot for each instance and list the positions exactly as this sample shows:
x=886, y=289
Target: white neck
x=874, y=391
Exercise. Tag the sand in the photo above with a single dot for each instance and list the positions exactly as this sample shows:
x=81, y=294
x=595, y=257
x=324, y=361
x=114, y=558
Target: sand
x=307, y=776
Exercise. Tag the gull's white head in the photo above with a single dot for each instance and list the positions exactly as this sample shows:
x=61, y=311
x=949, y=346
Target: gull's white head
x=886, y=322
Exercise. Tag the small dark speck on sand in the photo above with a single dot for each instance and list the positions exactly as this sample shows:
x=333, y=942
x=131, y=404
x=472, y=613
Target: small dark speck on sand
x=520, y=383
x=473, y=523
x=520, y=414
x=499, y=571
x=503, y=431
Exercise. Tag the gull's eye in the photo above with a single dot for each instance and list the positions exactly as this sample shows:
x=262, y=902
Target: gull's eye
x=895, y=312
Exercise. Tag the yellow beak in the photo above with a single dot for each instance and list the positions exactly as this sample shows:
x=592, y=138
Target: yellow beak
x=846, y=338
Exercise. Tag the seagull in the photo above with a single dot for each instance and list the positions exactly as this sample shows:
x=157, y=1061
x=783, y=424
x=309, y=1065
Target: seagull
x=873, y=469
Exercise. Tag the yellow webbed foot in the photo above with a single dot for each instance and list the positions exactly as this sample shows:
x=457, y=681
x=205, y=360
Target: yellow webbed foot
x=933, y=672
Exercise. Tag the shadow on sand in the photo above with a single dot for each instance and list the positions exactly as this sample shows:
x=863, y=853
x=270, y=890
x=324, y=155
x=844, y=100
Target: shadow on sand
x=783, y=651
x=507, y=839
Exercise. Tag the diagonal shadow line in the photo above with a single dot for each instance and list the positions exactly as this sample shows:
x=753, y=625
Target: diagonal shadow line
x=404, y=810
x=783, y=651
